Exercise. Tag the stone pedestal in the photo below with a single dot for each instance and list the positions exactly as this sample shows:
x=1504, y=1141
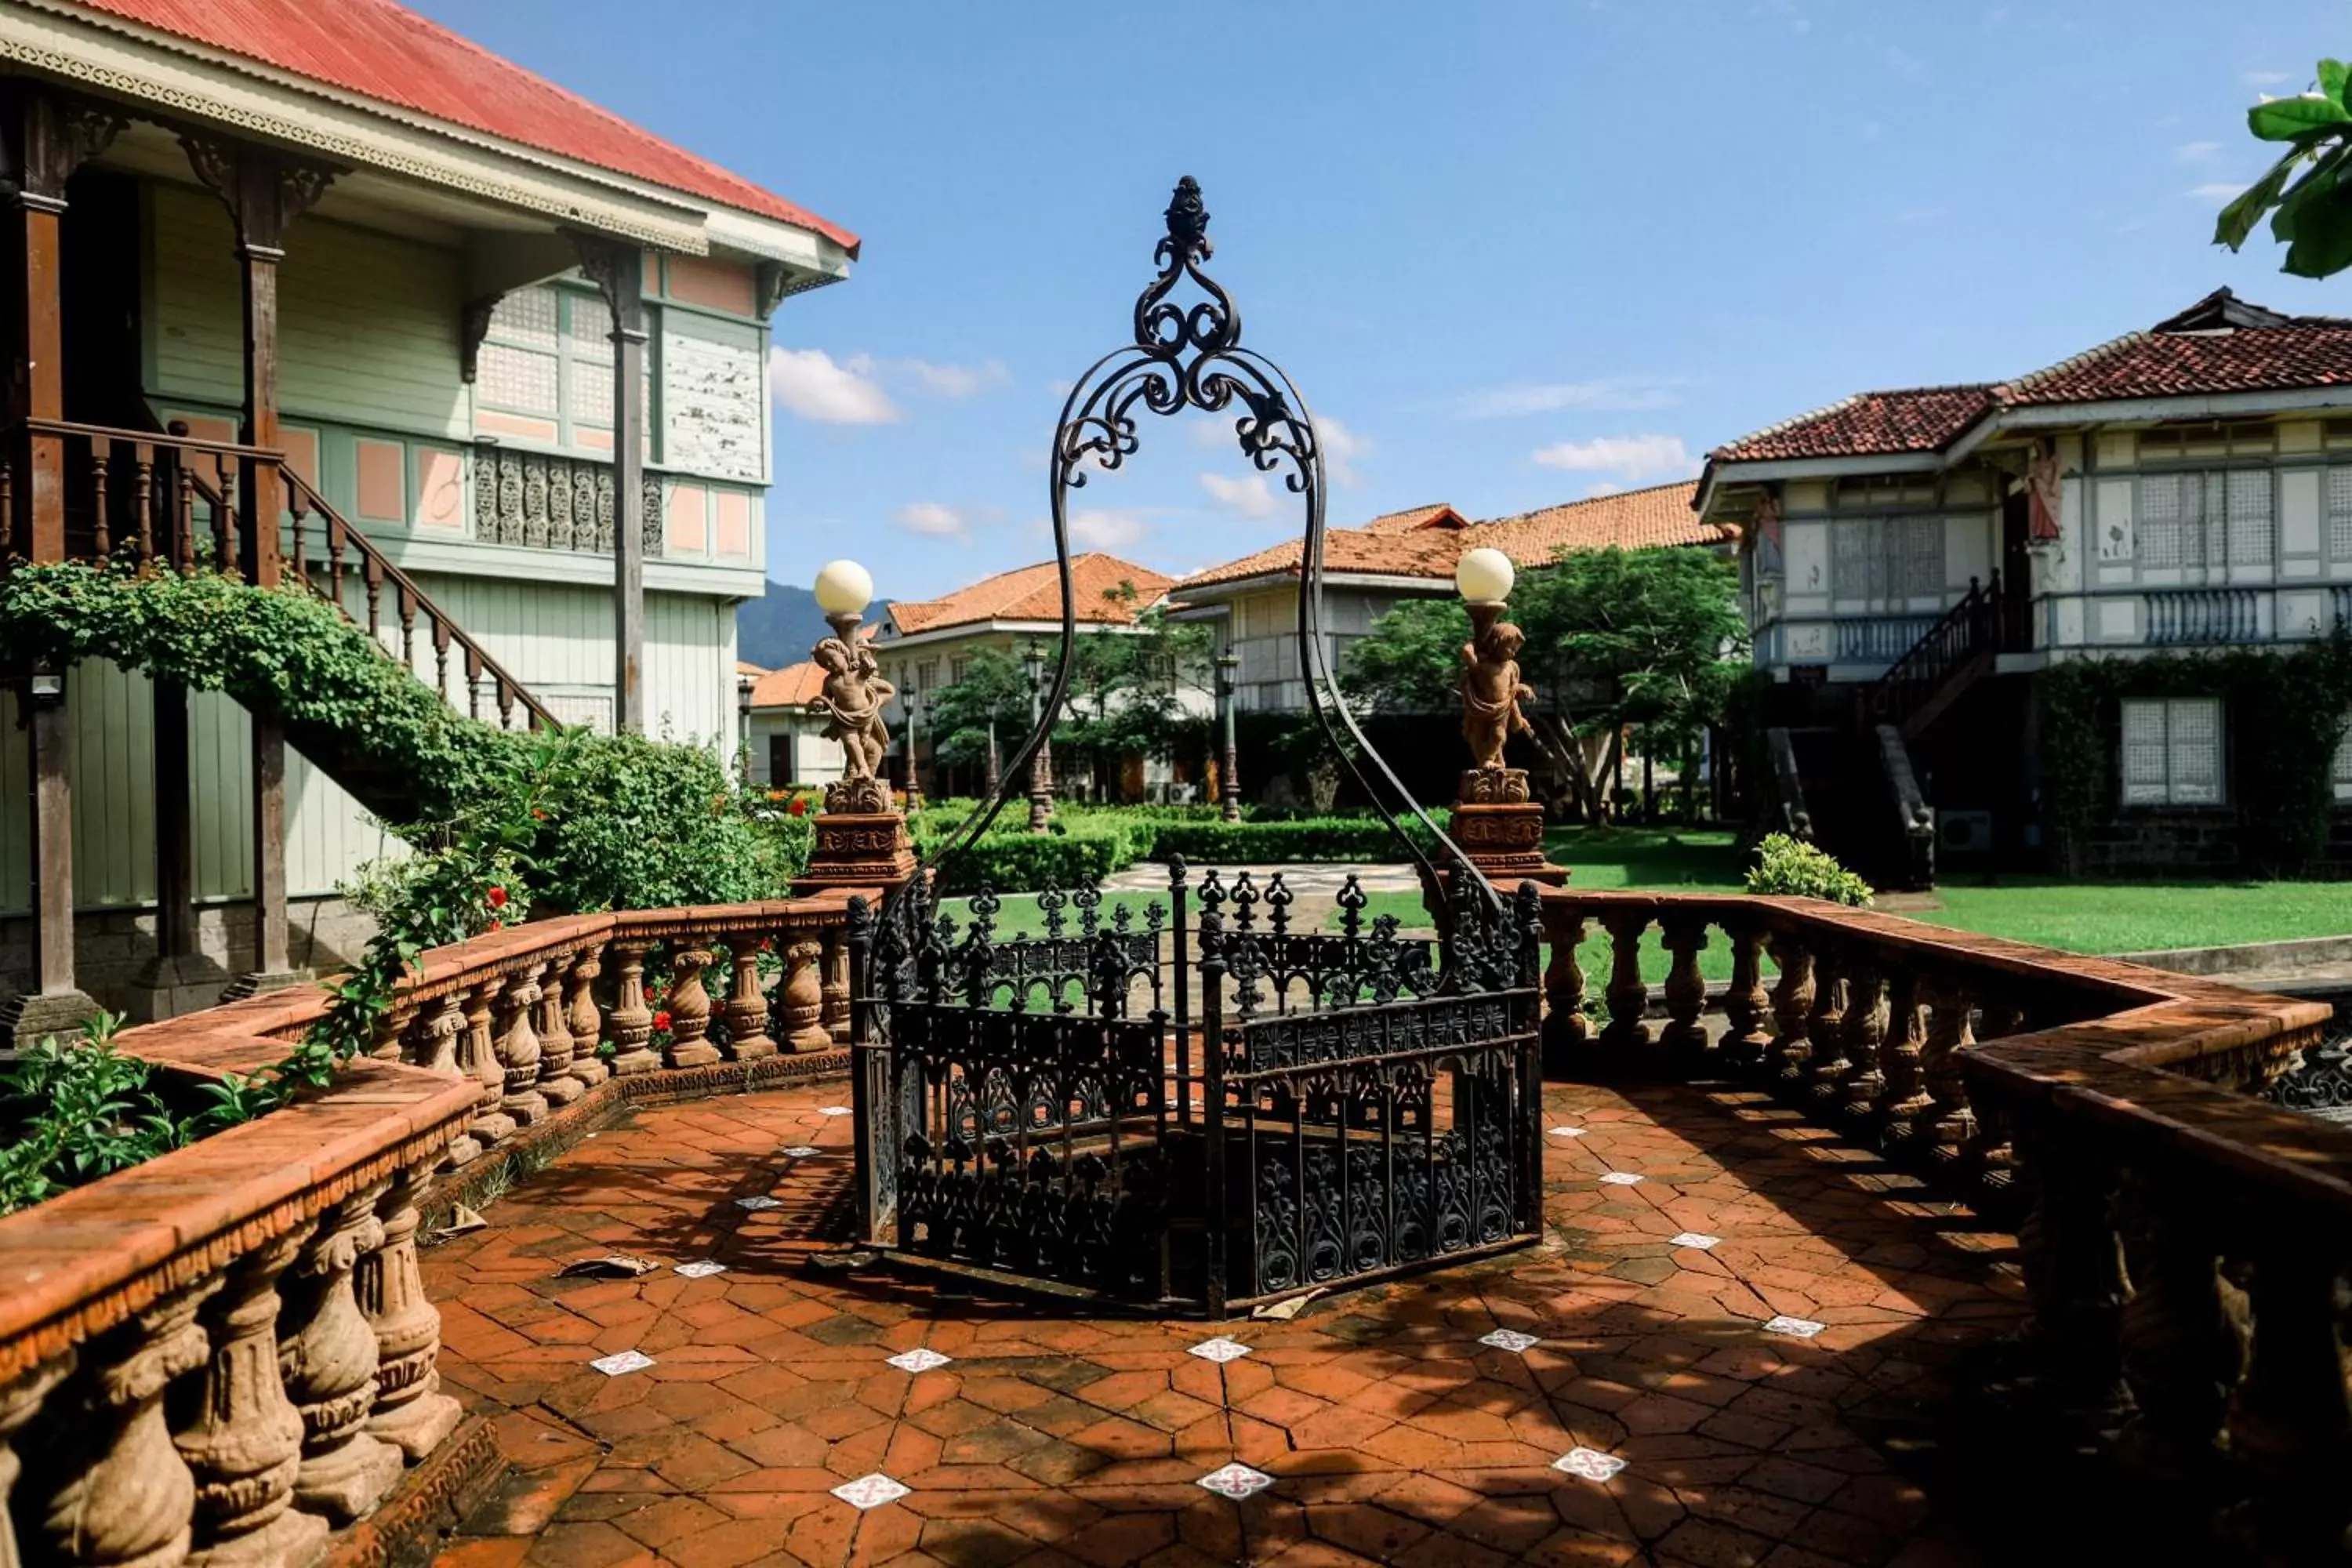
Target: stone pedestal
x=166, y=987
x=1501, y=830
x=858, y=850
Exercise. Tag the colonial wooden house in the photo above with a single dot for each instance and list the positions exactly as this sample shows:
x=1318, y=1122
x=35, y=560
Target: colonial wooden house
x=382, y=313
x=927, y=645
x=788, y=744
x=1405, y=555
x=1913, y=559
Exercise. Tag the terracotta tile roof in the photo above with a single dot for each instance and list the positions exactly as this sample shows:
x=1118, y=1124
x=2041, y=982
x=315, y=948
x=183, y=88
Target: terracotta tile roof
x=1034, y=594
x=745, y=667
x=2220, y=344
x=1634, y=520
x=1415, y=517
x=387, y=52
x=791, y=687
x=1868, y=424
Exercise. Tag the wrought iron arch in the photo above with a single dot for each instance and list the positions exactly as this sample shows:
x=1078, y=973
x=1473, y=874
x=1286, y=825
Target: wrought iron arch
x=1190, y=357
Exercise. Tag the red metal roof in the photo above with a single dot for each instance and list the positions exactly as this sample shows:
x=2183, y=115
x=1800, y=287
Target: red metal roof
x=387, y=52
x=1868, y=424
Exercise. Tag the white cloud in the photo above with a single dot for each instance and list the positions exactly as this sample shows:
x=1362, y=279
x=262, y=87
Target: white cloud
x=954, y=380
x=2195, y=152
x=1249, y=496
x=1603, y=488
x=2269, y=78
x=1613, y=395
x=1105, y=528
x=1341, y=448
x=808, y=383
x=933, y=520
x=2220, y=193
x=1630, y=459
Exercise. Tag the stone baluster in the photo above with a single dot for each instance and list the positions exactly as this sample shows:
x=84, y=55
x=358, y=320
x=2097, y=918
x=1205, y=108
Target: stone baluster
x=557, y=1084
x=330, y=1358
x=1792, y=1007
x=440, y=1034
x=1744, y=1002
x=632, y=1022
x=747, y=1003
x=478, y=1058
x=1861, y=1038
x=2290, y=1428
x=804, y=995
x=411, y=1412
x=1833, y=1001
x=585, y=1023
x=518, y=1049
x=106, y=1484
x=1902, y=1104
x=1626, y=1040
x=836, y=984
x=19, y=1403
x=1565, y=1029
x=398, y=1029
x=2182, y=1356
x=2001, y=1019
x=1950, y=1123
x=244, y=1443
x=2072, y=1259
x=1685, y=1036
x=690, y=1009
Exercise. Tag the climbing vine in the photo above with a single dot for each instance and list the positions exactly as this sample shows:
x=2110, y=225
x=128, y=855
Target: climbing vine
x=2286, y=713
x=508, y=822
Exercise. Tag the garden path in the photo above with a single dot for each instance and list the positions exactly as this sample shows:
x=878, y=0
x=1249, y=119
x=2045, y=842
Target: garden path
x=1391, y=1425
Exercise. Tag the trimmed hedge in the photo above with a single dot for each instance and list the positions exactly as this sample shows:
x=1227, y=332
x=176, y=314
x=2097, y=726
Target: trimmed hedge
x=1087, y=844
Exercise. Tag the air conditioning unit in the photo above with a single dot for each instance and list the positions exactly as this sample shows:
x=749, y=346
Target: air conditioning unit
x=1963, y=831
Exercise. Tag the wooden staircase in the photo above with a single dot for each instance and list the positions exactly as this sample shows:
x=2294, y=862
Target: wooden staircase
x=1951, y=658
x=165, y=501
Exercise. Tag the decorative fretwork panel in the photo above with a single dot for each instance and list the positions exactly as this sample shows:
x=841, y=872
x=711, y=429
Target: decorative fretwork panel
x=545, y=503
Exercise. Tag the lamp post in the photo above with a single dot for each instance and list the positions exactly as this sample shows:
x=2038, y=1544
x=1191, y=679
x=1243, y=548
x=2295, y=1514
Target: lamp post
x=1041, y=766
x=988, y=786
x=861, y=837
x=1497, y=826
x=914, y=768
x=743, y=684
x=1230, y=780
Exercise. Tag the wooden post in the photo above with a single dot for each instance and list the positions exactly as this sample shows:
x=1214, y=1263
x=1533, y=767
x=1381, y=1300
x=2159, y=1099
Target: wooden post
x=264, y=191
x=46, y=137
x=618, y=269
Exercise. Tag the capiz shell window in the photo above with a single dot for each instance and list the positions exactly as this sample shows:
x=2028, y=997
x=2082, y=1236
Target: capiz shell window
x=2172, y=751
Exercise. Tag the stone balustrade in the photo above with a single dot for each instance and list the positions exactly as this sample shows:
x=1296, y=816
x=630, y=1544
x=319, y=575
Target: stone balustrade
x=225, y=1353
x=2185, y=1243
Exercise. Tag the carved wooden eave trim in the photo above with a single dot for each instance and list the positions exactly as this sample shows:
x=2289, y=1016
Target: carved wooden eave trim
x=178, y=80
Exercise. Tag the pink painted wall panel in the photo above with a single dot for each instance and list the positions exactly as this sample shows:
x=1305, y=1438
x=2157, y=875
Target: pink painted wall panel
x=440, y=489
x=715, y=285
x=383, y=481
x=687, y=529
x=735, y=524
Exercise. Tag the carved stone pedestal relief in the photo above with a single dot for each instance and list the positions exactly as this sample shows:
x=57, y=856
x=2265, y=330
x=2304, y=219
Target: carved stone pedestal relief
x=1500, y=829
x=860, y=850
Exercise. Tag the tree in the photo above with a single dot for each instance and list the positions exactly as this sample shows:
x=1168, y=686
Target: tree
x=994, y=690
x=1647, y=640
x=2312, y=217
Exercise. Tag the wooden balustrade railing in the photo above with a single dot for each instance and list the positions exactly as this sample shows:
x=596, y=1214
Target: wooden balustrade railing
x=170, y=503
x=227, y=1350
x=2185, y=1242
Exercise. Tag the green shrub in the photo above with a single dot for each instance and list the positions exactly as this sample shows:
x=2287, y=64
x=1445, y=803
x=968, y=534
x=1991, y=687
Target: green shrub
x=1020, y=861
x=1791, y=868
x=1309, y=838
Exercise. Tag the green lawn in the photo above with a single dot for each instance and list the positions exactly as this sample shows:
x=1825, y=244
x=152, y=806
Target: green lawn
x=2075, y=917
x=1017, y=914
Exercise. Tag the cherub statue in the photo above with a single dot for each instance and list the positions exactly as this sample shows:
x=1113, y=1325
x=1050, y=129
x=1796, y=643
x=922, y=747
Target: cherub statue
x=1491, y=690
x=851, y=701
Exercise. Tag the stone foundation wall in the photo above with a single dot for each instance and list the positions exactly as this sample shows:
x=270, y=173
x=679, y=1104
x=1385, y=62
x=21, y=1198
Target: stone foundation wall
x=2156, y=843
x=114, y=950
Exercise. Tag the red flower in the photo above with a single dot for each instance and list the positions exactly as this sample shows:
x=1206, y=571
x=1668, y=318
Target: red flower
x=661, y=1020
x=538, y=812
x=799, y=806
x=497, y=898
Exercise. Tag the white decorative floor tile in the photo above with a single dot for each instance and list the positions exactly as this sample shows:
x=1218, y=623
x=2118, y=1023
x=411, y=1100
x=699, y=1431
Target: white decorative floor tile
x=624, y=1361
x=1622, y=1178
x=870, y=1491
x=1568, y=1131
x=761, y=1201
x=1511, y=1339
x=702, y=1269
x=833, y=1110
x=919, y=1360
x=1795, y=1328
x=803, y=1151
x=1697, y=1238
x=1590, y=1463
x=1221, y=1349
x=1236, y=1481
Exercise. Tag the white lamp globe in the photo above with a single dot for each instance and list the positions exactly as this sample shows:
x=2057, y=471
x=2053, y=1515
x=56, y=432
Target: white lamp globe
x=1484, y=575
x=844, y=588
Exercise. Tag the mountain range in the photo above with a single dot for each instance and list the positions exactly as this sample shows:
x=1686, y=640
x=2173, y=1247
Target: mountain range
x=779, y=629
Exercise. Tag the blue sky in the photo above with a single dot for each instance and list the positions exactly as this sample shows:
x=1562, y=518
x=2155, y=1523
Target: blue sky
x=1518, y=251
